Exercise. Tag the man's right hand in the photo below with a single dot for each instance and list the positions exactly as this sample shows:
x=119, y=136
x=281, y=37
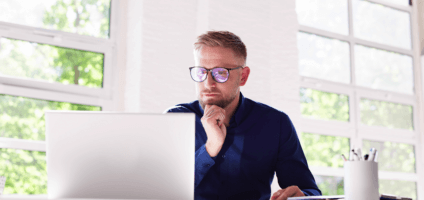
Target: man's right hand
x=213, y=123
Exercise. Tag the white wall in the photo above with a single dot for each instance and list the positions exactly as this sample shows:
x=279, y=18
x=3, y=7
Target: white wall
x=160, y=34
x=155, y=50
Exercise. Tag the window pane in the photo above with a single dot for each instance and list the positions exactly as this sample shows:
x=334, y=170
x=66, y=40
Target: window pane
x=392, y=156
x=390, y=115
x=329, y=15
x=398, y=2
x=50, y=63
x=330, y=185
x=324, y=105
x=399, y=188
x=323, y=58
x=76, y=16
x=379, y=69
x=381, y=24
x=324, y=151
x=25, y=171
x=23, y=118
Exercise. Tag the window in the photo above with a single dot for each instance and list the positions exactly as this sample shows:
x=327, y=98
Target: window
x=54, y=55
x=356, y=62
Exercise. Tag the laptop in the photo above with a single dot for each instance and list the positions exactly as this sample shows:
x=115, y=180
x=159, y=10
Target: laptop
x=107, y=155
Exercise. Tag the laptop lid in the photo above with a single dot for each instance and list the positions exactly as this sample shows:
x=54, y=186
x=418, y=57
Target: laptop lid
x=108, y=155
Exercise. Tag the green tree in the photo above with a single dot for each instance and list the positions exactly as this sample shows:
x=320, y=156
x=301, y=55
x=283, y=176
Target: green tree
x=80, y=67
x=23, y=118
x=323, y=150
x=324, y=105
x=387, y=114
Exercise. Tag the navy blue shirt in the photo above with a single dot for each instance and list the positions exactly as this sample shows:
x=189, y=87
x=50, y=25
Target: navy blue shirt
x=260, y=141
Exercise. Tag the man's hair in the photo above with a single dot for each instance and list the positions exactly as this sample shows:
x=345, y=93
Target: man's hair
x=224, y=39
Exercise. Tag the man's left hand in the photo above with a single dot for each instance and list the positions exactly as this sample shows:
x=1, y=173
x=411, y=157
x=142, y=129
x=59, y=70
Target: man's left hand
x=291, y=191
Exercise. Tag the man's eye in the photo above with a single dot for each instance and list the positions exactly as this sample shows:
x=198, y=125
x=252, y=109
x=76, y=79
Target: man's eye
x=222, y=73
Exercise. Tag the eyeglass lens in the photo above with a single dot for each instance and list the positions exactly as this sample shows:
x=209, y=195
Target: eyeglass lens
x=219, y=74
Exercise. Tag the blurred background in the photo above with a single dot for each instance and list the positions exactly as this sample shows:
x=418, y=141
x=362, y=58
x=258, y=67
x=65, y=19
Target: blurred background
x=347, y=72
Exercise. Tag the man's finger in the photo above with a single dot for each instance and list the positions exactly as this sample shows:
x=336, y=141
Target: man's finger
x=209, y=113
x=207, y=106
x=277, y=194
x=221, y=118
x=292, y=191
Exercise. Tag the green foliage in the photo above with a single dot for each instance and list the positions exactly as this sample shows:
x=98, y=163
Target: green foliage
x=399, y=188
x=27, y=60
x=323, y=105
x=23, y=118
x=324, y=151
x=393, y=156
x=89, y=65
x=330, y=185
x=25, y=171
x=85, y=17
x=387, y=114
x=51, y=63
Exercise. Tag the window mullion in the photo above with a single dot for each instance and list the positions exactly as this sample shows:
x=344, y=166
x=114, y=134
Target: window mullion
x=54, y=86
x=31, y=145
x=50, y=95
x=419, y=108
x=56, y=38
x=392, y=5
x=383, y=47
x=401, y=176
x=354, y=117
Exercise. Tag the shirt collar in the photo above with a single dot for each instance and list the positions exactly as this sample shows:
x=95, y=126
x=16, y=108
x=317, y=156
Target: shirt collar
x=238, y=114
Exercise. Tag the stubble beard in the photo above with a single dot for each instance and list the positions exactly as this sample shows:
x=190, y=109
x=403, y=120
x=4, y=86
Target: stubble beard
x=222, y=103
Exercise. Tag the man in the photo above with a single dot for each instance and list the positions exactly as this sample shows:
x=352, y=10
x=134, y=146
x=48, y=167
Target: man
x=240, y=143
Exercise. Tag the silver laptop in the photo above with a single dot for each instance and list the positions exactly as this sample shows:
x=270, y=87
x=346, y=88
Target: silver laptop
x=107, y=155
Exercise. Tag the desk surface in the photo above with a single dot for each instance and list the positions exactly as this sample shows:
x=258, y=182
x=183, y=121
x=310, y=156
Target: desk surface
x=42, y=197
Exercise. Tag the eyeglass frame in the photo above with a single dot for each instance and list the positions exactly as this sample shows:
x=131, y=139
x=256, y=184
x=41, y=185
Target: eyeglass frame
x=210, y=70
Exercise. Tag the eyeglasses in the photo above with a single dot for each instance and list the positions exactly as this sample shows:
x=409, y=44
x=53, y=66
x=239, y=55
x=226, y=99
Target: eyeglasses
x=219, y=74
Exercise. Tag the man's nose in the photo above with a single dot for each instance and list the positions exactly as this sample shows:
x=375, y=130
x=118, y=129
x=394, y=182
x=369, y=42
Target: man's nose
x=210, y=82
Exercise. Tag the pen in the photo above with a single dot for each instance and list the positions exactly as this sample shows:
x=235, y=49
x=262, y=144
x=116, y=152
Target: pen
x=354, y=155
x=359, y=153
x=351, y=155
x=366, y=157
x=344, y=158
x=372, y=154
x=376, y=155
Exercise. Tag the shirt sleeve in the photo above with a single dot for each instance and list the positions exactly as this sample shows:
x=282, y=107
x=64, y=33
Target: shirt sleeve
x=203, y=163
x=292, y=167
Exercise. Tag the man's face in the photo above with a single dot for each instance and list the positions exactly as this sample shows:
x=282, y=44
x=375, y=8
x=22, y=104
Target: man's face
x=210, y=92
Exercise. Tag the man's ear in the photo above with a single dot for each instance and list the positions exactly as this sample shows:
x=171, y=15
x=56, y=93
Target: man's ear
x=244, y=75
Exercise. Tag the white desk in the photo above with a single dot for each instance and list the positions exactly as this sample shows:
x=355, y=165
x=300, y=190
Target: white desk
x=42, y=197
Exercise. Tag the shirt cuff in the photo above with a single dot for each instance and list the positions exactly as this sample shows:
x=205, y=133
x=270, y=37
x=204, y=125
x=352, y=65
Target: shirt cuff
x=203, y=164
x=310, y=192
x=203, y=159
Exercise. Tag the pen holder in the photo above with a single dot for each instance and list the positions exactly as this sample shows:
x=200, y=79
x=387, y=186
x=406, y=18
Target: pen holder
x=361, y=180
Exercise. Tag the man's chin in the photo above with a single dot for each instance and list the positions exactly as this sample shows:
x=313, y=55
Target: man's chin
x=210, y=102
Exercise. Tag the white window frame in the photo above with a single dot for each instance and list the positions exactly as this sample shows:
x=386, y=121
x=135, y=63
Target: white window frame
x=353, y=129
x=44, y=90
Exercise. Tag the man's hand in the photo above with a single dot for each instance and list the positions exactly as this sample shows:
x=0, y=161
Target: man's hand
x=291, y=191
x=213, y=123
